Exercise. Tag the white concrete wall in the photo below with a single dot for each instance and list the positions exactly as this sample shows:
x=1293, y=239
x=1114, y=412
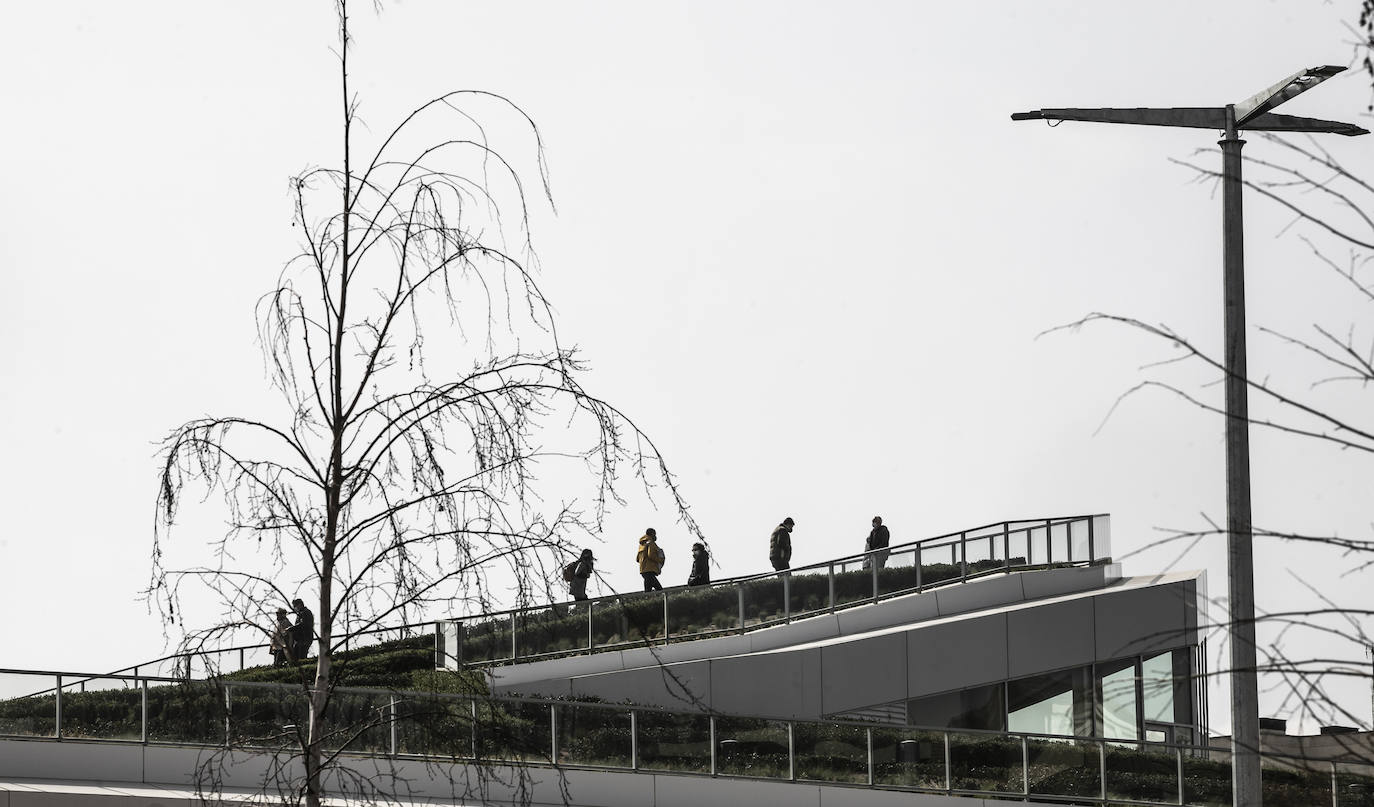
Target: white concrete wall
x=854, y=671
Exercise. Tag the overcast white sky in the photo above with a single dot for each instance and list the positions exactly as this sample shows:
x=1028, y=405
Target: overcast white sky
x=801, y=243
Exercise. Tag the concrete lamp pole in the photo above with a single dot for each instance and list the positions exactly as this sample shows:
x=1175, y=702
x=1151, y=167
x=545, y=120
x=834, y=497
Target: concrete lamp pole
x=1254, y=114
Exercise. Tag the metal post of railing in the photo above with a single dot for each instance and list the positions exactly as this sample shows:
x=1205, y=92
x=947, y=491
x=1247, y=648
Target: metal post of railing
x=591, y=645
x=832, y=587
x=873, y=567
x=143, y=708
x=472, y=727
x=514, y=645
x=57, y=710
x=868, y=741
x=634, y=740
x=1006, y=543
x=1049, y=543
x=228, y=707
x=711, y=721
x=1178, y=762
x=739, y=589
x=787, y=596
x=963, y=556
x=1335, y=787
x=916, y=556
x=791, y=753
x=553, y=733
x=242, y=666
x=949, y=773
x=665, y=617
x=392, y=722
x=1101, y=753
x=1025, y=766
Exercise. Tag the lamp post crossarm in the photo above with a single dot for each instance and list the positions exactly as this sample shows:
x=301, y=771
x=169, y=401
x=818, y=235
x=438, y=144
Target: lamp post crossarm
x=1192, y=118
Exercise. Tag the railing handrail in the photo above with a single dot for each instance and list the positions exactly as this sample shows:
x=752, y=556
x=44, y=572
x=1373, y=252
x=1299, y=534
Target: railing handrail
x=387, y=714
x=1019, y=524
x=1005, y=525
x=417, y=694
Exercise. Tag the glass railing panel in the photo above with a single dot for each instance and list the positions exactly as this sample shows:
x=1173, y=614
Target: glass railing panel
x=642, y=617
x=1137, y=775
x=1078, y=539
x=1353, y=789
x=674, y=742
x=1280, y=786
x=1206, y=783
x=700, y=611
x=853, y=583
x=610, y=622
x=897, y=573
x=359, y=722
x=983, y=554
x=553, y=630
x=1059, y=543
x=266, y=716
x=102, y=708
x=908, y=758
x=940, y=562
x=28, y=705
x=831, y=753
x=186, y=712
x=514, y=731
x=763, y=601
x=1038, y=545
x=485, y=639
x=748, y=746
x=1102, y=537
x=435, y=726
x=594, y=735
x=1063, y=768
x=1018, y=547
x=808, y=592
x=985, y=763
x=257, y=657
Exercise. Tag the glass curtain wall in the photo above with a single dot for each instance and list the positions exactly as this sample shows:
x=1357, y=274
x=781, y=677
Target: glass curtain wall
x=1141, y=698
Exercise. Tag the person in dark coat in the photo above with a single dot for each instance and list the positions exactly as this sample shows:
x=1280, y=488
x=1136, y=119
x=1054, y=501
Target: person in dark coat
x=701, y=562
x=780, y=545
x=303, y=632
x=878, y=539
x=582, y=571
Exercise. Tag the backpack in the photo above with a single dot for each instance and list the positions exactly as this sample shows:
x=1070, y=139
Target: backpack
x=569, y=572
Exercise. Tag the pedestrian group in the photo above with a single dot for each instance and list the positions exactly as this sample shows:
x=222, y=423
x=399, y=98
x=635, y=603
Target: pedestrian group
x=651, y=558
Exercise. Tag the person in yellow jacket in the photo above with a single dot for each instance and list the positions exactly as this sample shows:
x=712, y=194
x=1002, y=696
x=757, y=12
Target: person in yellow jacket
x=650, y=559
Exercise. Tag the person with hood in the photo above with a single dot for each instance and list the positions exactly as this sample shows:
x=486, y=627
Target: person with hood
x=780, y=545
x=582, y=571
x=701, y=572
x=650, y=559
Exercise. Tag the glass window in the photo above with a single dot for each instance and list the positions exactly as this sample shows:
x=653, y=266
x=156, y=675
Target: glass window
x=1056, y=703
x=1116, y=682
x=976, y=708
x=1157, y=687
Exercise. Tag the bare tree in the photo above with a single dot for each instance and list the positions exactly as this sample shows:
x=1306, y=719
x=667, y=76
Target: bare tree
x=421, y=369
x=1328, y=205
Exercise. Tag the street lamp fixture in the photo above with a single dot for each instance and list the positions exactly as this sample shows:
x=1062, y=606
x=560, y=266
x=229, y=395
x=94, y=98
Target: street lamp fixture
x=1251, y=114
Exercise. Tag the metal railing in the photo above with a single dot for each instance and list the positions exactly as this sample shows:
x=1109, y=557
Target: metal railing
x=742, y=604
x=221, y=713
x=751, y=601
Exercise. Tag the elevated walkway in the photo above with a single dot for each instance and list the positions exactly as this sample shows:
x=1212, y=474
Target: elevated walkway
x=744, y=605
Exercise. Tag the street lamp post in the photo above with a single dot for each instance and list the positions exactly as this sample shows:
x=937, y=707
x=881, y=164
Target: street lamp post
x=1254, y=114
